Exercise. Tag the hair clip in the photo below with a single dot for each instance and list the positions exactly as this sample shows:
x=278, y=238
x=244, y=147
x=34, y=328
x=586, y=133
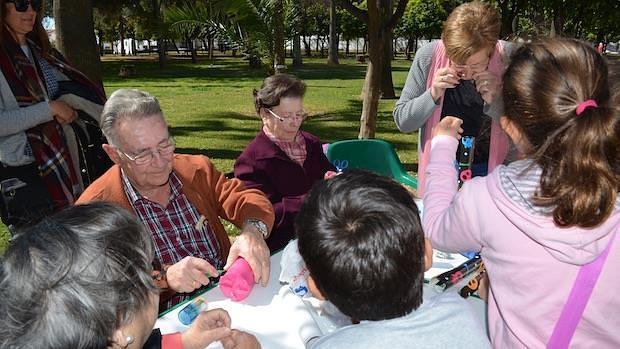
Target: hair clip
x=589, y=103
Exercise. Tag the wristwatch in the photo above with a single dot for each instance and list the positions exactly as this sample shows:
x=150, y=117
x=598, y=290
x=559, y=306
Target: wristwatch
x=260, y=225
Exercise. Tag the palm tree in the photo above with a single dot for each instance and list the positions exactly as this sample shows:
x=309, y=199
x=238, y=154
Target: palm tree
x=249, y=24
x=193, y=22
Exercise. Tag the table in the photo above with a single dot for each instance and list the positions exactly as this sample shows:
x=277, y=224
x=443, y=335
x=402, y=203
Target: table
x=277, y=317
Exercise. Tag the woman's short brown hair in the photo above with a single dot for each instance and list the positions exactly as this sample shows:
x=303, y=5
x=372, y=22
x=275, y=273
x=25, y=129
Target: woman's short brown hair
x=471, y=27
x=277, y=87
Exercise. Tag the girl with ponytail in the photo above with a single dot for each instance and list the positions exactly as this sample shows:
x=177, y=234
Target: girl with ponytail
x=545, y=224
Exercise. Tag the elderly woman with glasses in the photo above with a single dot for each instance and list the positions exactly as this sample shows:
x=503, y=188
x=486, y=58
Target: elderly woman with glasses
x=42, y=163
x=82, y=279
x=282, y=161
x=459, y=75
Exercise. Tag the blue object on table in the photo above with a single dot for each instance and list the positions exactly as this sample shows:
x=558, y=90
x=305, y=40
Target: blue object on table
x=469, y=255
x=190, y=312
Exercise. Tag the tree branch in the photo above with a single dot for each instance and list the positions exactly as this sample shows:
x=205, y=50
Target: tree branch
x=400, y=9
x=354, y=10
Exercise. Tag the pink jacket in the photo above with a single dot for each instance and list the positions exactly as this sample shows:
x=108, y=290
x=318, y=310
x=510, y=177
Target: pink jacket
x=532, y=264
x=498, y=148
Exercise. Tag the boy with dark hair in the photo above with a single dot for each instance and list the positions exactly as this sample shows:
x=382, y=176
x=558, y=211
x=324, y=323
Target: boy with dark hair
x=361, y=239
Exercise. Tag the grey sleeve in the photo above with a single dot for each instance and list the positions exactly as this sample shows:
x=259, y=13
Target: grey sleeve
x=14, y=119
x=20, y=119
x=416, y=104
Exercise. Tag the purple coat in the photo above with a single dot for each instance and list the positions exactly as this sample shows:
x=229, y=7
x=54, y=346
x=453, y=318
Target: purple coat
x=263, y=165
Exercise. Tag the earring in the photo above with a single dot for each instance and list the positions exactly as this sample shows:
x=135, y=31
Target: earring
x=128, y=340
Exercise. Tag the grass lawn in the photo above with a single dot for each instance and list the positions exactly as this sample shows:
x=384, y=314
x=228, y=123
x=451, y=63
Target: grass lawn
x=209, y=105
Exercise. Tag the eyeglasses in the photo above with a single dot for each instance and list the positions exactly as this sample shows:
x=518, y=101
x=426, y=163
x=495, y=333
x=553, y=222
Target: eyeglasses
x=300, y=115
x=476, y=68
x=165, y=149
x=22, y=5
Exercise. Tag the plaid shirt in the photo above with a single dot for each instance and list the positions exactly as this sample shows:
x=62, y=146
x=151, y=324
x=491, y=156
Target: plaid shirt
x=177, y=230
x=295, y=149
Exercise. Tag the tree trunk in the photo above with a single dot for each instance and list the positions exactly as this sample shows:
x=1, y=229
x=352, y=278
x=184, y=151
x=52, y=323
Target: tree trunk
x=297, y=60
x=210, y=39
x=394, y=48
x=279, y=64
x=506, y=18
x=192, y=50
x=100, y=43
x=409, y=49
x=75, y=36
x=387, y=84
x=121, y=31
x=161, y=41
x=347, y=47
x=333, y=34
x=308, y=46
x=372, y=83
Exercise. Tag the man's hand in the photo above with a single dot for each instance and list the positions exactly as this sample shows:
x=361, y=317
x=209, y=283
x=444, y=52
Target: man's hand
x=252, y=247
x=487, y=85
x=240, y=340
x=209, y=326
x=449, y=126
x=189, y=274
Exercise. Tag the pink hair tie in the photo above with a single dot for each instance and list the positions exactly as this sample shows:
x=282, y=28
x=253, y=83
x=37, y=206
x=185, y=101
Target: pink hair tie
x=589, y=103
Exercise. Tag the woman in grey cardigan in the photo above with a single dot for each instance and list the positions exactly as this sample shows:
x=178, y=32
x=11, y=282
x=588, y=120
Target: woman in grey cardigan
x=459, y=75
x=39, y=95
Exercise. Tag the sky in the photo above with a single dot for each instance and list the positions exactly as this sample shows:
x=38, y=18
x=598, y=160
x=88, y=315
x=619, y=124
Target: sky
x=48, y=23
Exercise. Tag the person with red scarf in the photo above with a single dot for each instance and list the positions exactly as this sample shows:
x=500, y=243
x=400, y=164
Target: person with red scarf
x=41, y=96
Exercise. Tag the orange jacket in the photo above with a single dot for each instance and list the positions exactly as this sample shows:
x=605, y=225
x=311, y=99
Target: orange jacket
x=207, y=189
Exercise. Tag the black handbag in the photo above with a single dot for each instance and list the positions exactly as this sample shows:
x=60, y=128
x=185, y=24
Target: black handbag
x=93, y=159
x=23, y=196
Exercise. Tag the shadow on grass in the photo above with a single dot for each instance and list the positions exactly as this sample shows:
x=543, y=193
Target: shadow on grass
x=225, y=70
x=211, y=153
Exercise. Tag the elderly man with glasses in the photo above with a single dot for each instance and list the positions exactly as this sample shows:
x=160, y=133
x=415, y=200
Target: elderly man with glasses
x=179, y=198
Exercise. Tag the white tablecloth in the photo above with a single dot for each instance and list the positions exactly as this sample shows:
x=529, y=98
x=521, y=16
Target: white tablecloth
x=277, y=317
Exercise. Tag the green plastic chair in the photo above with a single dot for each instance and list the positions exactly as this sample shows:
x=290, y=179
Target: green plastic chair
x=375, y=155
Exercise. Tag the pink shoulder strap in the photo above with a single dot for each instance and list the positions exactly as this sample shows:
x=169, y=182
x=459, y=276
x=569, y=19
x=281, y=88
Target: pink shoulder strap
x=577, y=300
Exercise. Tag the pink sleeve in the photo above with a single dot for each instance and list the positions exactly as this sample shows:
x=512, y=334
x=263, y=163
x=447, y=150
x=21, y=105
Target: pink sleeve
x=172, y=341
x=448, y=217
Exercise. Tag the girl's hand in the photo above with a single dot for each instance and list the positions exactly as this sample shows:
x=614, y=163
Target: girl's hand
x=449, y=126
x=444, y=78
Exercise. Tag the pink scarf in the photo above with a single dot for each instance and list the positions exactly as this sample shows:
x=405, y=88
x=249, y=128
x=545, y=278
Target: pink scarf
x=498, y=148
